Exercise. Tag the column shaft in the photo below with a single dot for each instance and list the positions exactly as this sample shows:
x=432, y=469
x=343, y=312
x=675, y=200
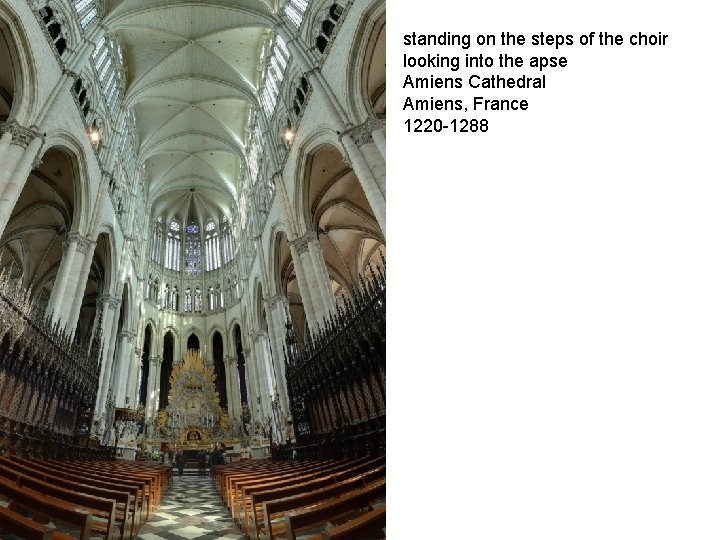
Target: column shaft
x=54, y=307
x=110, y=324
x=366, y=178
x=74, y=312
x=304, y=287
x=17, y=179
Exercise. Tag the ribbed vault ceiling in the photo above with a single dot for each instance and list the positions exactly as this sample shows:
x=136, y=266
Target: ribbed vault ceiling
x=192, y=76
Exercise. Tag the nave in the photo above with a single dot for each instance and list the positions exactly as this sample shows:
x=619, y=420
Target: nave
x=246, y=499
x=191, y=509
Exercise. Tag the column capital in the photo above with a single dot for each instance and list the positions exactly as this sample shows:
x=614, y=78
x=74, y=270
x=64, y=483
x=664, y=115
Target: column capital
x=362, y=134
x=84, y=244
x=230, y=360
x=274, y=300
x=257, y=335
x=127, y=335
x=21, y=135
x=111, y=301
x=155, y=360
x=302, y=242
x=73, y=237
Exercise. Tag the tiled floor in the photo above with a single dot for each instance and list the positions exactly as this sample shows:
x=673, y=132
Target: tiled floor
x=191, y=509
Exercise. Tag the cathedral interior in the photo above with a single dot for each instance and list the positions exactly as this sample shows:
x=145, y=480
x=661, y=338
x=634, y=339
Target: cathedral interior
x=192, y=263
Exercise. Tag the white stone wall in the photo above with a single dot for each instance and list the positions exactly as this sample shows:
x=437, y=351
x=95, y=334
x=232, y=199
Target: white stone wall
x=335, y=83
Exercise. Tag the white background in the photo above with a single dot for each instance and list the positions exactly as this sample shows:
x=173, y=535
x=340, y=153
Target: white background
x=554, y=287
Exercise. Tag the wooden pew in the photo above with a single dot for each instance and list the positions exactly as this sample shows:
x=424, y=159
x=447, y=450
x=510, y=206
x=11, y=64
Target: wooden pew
x=155, y=478
x=126, y=500
x=103, y=510
x=298, y=484
x=48, y=507
x=140, y=490
x=241, y=488
x=127, y=507
x=333, y=509
x=19, y=525
x=226, y=475
x=276, y=502
x=370, y=525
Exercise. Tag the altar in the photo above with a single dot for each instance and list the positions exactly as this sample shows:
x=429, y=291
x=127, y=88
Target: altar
x=193, y=418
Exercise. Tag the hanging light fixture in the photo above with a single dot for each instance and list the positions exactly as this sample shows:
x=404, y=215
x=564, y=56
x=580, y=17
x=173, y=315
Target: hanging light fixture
x=289, y=132
x=94, y=133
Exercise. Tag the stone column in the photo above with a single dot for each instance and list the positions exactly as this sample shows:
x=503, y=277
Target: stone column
x=153, y=387
x=278, y=310
x=231, y=385
x=365, y=136
x=319, y=294
x=303, y=285
x=109, y=329
x=121, y=368
x=264, y=375
x=70, y=311
x=251, y=372
x=12, y=147
x=370, y=186
x=20, y=157
x=379, y=137
x=133, y=377
x=57, y=295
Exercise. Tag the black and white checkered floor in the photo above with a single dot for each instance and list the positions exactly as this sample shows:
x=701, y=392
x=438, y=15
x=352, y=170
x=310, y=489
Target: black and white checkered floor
x=192, y=508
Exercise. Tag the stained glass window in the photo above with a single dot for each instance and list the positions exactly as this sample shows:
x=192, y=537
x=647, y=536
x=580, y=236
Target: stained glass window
x=188, y=300
x=172, y=247
x=192, y=250
x=108, y=75
x=156, y=251
x=212, y=247
x=198, y=299
x=87, y=12
x=279, y=56
x=228, y=241
x=294, y=10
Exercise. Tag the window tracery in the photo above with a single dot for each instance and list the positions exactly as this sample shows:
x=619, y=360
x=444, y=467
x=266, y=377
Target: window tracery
x=188, y=300
x=86, y=11
x=198, y=299
x=106, y=59
x=172, y=247
x=192, y=250
x=212, y=247
x=294, y=10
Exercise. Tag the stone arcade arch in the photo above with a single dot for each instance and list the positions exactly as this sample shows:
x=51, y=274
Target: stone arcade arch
x=41, y=237
x=144, y=394
x=166, y=368
x=288, y=285
x=18, y=82
x=339, y=212
x=193, y=342
x=241, y=367
x=219, y=364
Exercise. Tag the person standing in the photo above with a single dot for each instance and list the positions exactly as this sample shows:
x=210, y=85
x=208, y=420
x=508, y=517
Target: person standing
x=201, y=462
x=180, y=462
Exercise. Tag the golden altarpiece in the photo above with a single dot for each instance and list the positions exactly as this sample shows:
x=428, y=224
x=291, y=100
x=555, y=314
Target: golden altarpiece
x=193, y=417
